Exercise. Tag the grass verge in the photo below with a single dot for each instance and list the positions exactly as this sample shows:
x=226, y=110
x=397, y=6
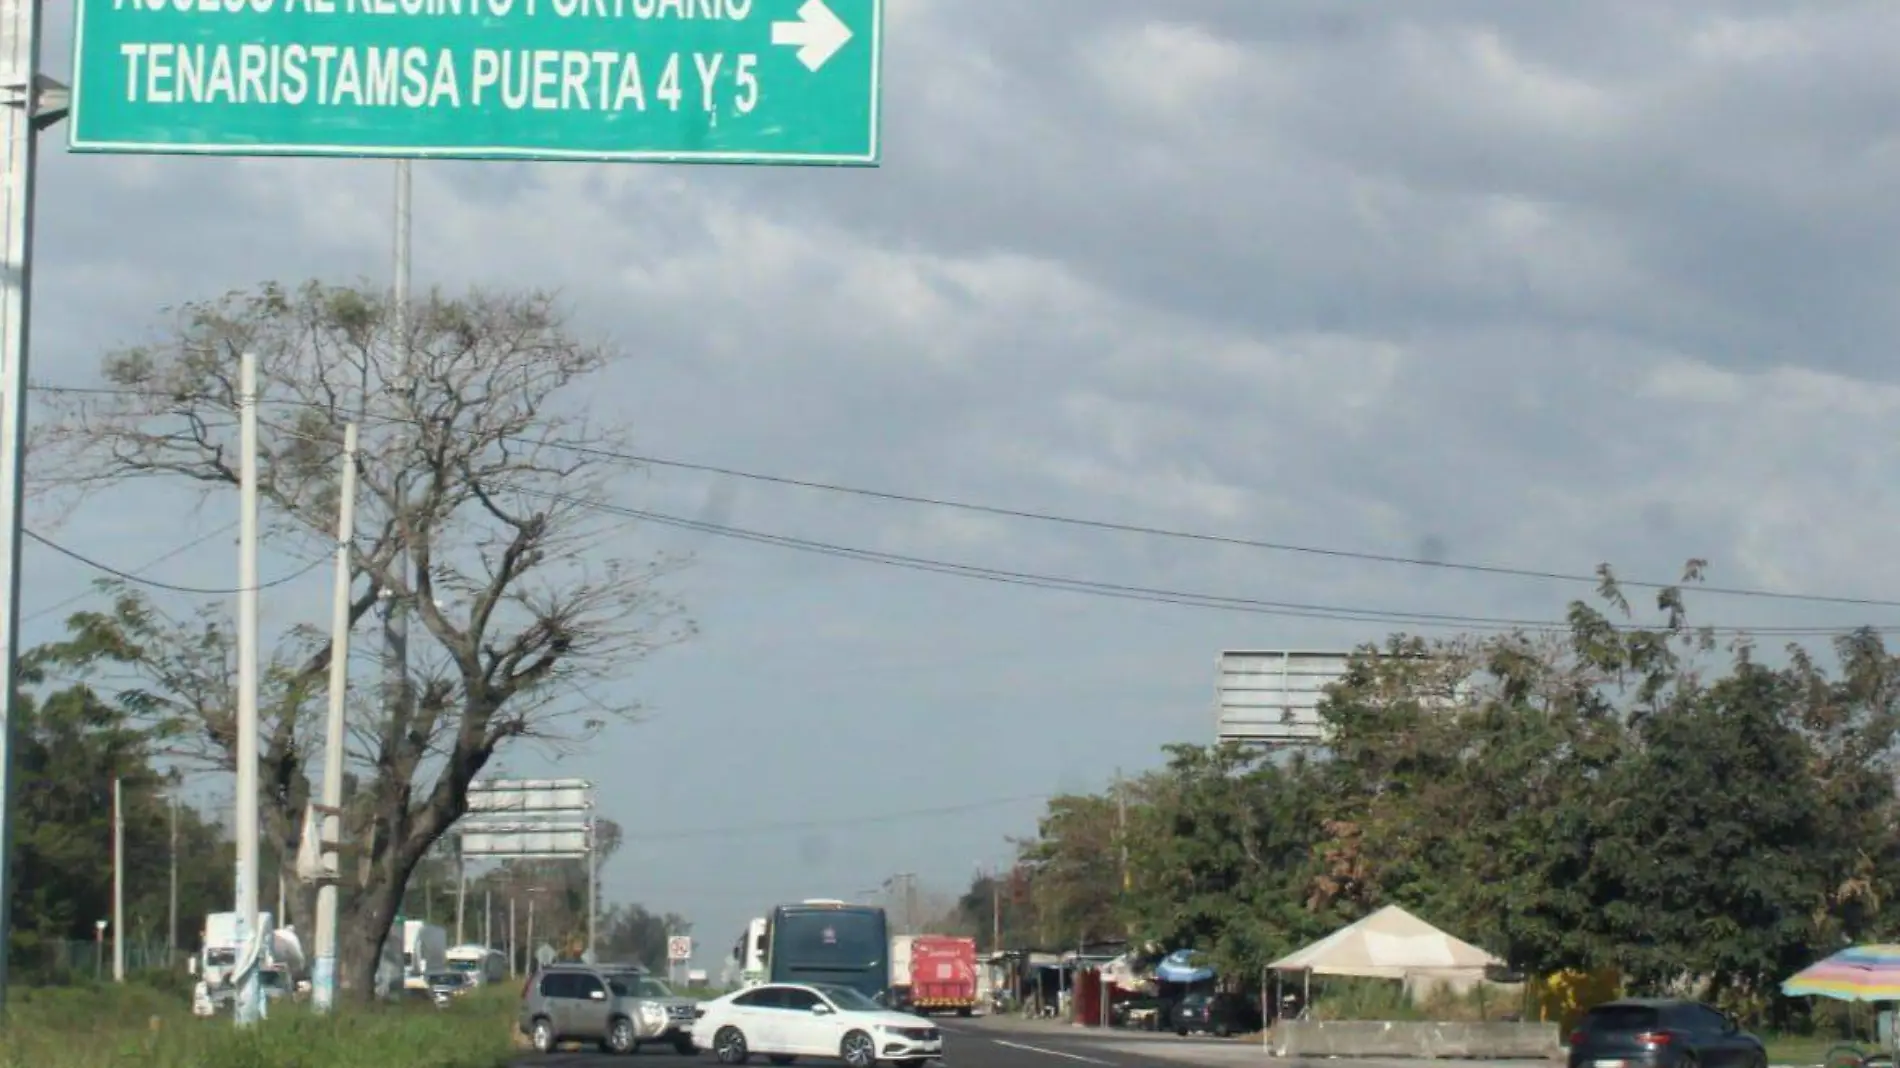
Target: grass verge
x=1807, y=1050
x=140, y=1026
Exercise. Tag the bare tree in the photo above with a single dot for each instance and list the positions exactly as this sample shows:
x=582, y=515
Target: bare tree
x=469, y=462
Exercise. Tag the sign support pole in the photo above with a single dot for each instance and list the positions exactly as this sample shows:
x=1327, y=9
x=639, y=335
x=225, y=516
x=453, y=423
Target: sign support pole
x=33, y=103
x=245, y=1012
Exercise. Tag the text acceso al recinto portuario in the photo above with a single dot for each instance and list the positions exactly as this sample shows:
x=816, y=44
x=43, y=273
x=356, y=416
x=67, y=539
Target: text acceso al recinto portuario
x=418, y=77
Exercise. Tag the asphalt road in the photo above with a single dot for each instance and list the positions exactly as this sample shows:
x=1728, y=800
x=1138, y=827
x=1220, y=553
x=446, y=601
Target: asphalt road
x=995, y=1044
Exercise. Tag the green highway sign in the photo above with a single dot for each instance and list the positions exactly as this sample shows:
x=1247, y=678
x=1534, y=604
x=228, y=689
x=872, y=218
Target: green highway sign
x=713, y=81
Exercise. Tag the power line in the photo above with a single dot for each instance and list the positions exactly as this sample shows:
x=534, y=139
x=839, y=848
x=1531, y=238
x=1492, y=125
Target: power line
x=139, y=570
x=207, y=591
x=848, y=821
x=1255, y=606
x=1110, y=525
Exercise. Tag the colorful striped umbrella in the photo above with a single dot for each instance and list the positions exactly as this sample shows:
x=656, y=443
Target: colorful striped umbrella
x=1861, y=973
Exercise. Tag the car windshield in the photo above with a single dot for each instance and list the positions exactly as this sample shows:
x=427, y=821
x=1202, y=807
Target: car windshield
x=849, y=1000
x=638, y=986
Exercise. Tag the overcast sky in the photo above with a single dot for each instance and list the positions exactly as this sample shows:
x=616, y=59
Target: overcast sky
x=1531, y=285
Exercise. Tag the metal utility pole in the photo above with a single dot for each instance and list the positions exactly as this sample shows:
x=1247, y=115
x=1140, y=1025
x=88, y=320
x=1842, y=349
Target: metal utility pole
x=171, y=911
x=593, y=886
x=323, y=975
x=488, y=919
x=996, y=914
x=118, y=880
x=395, y=616
x=33, y=102
x=245, y=1009
x=461, y=889
x=1121, y=823
x=909, y=880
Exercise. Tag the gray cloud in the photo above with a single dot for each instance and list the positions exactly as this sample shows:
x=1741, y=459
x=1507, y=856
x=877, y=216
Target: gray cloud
x=1538, y=285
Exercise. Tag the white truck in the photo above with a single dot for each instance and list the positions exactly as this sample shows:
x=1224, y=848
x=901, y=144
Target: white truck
x=283, y=969
x=900, y=971
x=748, y=955
x=425, y=952
x=482, y=964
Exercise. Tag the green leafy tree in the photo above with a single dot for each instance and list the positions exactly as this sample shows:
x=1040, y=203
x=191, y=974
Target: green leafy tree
x=1220, y=852
x=1076, y=871
x=71, y=742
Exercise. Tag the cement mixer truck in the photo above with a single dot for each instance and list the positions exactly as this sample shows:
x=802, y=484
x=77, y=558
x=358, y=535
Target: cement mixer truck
x=283, y=968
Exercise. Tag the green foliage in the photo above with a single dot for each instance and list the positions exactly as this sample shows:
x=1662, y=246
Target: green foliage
x=1618, y=796
x=71, y=744
x=1218, y=854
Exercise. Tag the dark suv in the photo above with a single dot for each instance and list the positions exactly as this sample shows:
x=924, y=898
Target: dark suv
x=1223, y=1014
x=1662, y=1033
x=619, y=1006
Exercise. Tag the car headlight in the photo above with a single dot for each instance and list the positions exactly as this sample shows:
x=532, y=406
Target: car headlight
x=652, y=1017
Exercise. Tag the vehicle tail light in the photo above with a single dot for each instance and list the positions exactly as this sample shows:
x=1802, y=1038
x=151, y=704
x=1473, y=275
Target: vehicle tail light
x=1576, y=1038
x=1654, y=1038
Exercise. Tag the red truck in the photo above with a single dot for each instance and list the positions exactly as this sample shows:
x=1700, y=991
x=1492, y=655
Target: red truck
x=943, y=974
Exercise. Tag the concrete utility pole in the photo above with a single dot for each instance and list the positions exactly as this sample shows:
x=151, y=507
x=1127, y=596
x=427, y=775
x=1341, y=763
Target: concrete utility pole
x=32, y=103
x=323, y=974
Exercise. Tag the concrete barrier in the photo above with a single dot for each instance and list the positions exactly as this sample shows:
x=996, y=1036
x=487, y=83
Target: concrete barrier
x=1393, y=1038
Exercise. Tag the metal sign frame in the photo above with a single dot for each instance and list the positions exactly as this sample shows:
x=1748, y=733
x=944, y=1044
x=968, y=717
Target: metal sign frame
x=1271, y=697
x=528, y=819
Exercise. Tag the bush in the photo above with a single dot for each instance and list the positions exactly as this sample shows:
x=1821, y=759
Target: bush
x=141, y=1026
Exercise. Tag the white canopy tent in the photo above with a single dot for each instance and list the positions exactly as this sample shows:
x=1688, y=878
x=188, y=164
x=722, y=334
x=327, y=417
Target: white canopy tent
x=1391, y=944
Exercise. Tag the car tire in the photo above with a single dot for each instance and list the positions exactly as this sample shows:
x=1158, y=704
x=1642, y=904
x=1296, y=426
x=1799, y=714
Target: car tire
x=683, y=1045
x=965, y=1012
x=1221, y=1030
x=620, y=1038
x=541, y=1033
x=730, y=1047
x=859, y=1049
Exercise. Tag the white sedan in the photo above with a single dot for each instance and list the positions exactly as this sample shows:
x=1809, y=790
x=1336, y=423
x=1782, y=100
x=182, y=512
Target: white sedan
x=785, y=1021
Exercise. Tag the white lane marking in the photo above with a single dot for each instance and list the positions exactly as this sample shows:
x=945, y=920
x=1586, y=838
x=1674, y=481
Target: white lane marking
x=1052, y=1053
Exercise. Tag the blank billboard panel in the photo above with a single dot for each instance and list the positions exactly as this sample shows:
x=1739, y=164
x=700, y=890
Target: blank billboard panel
x=502, y=841
x=522, y=796
x=1272, y=697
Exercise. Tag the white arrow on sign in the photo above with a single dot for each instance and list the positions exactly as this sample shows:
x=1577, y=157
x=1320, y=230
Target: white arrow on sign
x=818, y=33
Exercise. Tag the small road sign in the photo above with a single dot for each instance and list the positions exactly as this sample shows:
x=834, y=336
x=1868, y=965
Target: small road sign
x=713, y=81
x=679, y=948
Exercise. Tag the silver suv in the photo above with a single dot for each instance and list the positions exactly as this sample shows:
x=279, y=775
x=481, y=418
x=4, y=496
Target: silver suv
x=619, y=1006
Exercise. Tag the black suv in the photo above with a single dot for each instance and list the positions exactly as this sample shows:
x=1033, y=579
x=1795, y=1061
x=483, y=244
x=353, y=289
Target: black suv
x=1223, y=1014
x=1662, y=1033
